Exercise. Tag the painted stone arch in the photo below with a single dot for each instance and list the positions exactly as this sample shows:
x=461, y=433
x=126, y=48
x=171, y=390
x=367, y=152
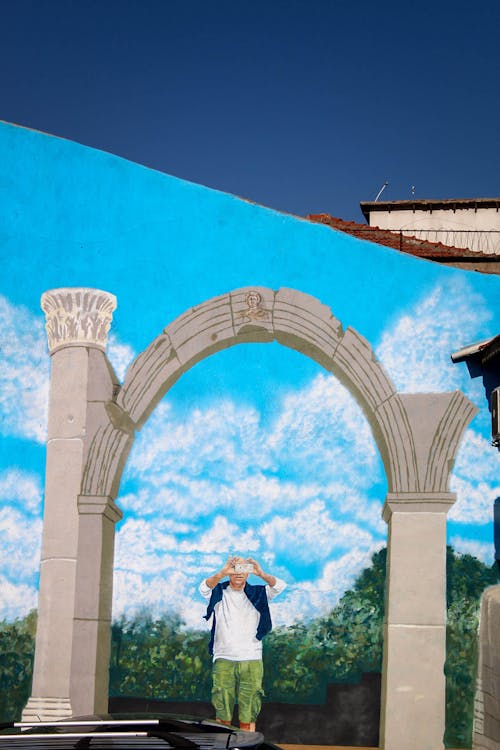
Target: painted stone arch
x=92, y=422
x=417, y=456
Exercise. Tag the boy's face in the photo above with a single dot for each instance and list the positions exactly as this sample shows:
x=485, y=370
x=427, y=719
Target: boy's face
x=237, y=580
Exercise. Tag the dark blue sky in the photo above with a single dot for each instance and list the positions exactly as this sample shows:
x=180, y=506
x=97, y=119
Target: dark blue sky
x=301, y=106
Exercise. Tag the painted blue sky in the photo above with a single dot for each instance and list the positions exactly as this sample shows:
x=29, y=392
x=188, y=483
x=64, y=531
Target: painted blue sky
x=256, y=449
x=301, y=105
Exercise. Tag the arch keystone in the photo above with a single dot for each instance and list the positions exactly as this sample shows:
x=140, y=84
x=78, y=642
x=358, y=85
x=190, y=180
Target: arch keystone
x=252, y=308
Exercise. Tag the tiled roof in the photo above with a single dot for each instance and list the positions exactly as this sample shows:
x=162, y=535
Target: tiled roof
x=399, y=241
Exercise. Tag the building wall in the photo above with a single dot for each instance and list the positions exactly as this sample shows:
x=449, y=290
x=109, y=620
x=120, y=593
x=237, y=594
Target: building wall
x=241, y=456
x=476, y=229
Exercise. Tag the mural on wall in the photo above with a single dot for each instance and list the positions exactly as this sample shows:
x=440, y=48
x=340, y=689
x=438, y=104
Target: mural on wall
x=256, y=450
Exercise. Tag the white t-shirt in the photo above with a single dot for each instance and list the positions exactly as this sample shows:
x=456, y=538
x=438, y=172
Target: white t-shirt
x=237, y=621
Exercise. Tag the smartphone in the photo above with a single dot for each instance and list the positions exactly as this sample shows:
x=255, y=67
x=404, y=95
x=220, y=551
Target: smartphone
x=243, y=568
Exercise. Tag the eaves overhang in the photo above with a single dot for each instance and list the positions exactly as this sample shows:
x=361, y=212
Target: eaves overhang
x=484, y=351
x=427, y=204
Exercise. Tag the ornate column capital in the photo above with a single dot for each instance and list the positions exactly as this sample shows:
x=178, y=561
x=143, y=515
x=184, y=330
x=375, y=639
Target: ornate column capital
x=77, y=316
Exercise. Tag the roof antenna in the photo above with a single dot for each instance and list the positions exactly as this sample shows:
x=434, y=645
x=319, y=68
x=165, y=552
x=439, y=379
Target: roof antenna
x=381, y=190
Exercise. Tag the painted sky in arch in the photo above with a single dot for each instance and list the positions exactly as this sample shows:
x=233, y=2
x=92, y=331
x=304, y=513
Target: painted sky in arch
x=256, y=449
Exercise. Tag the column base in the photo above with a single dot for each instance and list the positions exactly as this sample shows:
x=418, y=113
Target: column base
x=47, y=709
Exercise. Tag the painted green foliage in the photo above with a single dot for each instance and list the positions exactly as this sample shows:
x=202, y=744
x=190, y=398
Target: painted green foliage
x=17, y=642
x=160, y=659
x=303, y=659
x=466, y=579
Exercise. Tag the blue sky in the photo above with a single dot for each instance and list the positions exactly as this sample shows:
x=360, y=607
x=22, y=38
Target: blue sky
x=303, y=107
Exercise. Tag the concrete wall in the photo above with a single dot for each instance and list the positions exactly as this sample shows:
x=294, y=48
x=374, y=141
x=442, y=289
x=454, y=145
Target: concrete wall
x=487, y=707
x=172, y=251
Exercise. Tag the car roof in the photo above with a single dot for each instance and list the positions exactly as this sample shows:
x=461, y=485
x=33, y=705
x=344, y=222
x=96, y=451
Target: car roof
x=127, y=732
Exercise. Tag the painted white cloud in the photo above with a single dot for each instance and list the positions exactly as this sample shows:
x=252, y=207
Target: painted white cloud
x=16, y=599
x=319, y=535
x=416, y=350
x=416, y=353
x=475, y=479
x=314, y=598
x=21, y=489
x=120, y=355
x=482, y=550
x=339, y=575
x=144, y=547
x=24, y=373
x=296, y=492
x=20, y=532
x=158, y=595
x=222, y=537
x=222, y=438
x=286, y=492
x=301, y=601
x=24, y=389
x=20, y=548
x=356, y=504
x=322, y=423
x=221, y=458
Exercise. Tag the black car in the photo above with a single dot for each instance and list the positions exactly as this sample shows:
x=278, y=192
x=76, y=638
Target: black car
x=131, y=732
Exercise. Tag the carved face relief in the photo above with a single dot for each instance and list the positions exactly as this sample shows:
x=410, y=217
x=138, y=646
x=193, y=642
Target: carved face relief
x=255, y=309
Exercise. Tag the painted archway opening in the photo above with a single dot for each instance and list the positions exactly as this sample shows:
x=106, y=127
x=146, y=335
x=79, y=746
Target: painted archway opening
x=417, y=436
x=292, y=494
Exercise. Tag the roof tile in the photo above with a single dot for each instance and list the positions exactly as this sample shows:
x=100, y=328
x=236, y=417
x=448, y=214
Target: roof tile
x=399, y=241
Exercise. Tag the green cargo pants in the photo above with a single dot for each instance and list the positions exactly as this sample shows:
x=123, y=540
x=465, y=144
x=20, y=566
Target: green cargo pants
x=239, y=681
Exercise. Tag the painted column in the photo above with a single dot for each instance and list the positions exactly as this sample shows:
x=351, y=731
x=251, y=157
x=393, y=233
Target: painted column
x=94, y=589
x=413, y=689
x=77, y=323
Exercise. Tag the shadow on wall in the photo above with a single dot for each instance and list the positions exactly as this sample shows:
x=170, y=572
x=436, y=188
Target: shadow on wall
x=349, y=716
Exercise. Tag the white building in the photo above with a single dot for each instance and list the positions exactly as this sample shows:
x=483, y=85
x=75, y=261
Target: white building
x=470, y=223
